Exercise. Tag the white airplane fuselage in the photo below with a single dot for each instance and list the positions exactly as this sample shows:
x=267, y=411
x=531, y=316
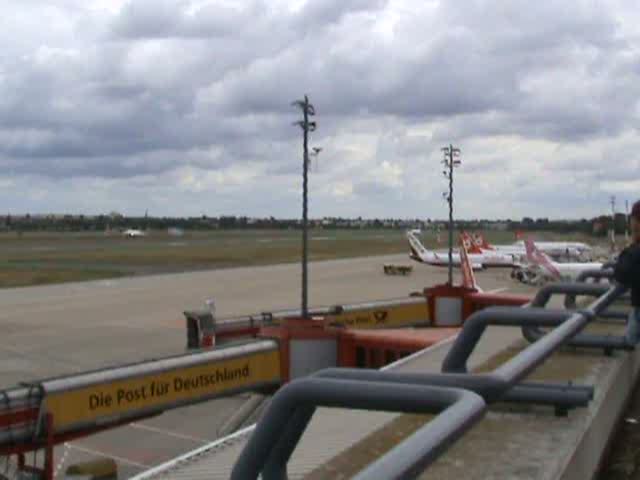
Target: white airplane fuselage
x=541, y=267
x=574, y=249
x=132, y=233
x=478, y=261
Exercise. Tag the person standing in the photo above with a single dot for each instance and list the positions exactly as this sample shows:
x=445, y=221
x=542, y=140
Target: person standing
x=627, y=273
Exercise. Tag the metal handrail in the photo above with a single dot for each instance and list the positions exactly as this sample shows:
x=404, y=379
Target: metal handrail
x=457, y=409
x=286, y=419
x=476, y=324
x=527, y=360
x=592, y=274
x=607, y=342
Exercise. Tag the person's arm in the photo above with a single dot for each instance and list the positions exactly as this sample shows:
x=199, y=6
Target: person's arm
x=627, y=269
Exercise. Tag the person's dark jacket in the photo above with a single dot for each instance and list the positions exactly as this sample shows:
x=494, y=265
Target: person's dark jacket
x=627, y=271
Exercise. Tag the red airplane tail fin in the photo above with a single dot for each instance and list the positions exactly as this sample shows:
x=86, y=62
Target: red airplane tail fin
x=483, y=242
x=468, y=277
x=469, y=243
x=537, y=257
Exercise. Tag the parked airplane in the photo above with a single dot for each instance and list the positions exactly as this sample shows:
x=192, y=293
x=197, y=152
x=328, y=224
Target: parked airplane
x=132, y=233
x=441, y=259
x=476, y=245
x=541, y=268
x=556, y=249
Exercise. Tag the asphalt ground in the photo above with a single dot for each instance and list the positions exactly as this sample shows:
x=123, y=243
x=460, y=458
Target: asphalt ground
x=60, y=329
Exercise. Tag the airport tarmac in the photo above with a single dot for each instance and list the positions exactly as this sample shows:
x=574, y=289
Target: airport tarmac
x=73, y=327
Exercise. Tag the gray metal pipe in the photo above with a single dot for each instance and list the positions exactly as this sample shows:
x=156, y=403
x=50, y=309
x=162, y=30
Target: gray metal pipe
x=526, y=361
x=276, y=463
x=491, y=388
x=485, y=386
x=608, y=342
x=559, y=398
x=592, y=274
x=562, y=397
x=543, y=295
x=461, y=410
x=488, y=386
x=409, y=459
x=284, y=423
x=476, y=324
x=582, y=340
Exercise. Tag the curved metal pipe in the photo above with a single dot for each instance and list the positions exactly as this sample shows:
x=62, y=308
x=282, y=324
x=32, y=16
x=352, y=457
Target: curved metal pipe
x=595, y=274
x=293, y=406
x=545, y=293
x=608, y=342
x=476, y=324
x=460, y=410
x=490, y=387
x=527, y=360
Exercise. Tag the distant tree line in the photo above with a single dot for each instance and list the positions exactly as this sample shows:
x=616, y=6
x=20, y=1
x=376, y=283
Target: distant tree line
x=598, y=226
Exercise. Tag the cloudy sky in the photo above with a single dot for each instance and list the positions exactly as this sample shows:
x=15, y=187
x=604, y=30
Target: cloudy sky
x=182, y=107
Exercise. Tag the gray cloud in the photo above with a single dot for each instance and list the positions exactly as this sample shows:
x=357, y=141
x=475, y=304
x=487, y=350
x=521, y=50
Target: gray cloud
x=154, y=89
x=145, y=19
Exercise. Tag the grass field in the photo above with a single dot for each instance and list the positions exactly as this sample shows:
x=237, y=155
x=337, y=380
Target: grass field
x=43, y=258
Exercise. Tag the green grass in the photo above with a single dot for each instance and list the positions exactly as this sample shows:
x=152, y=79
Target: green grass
x=41, y=258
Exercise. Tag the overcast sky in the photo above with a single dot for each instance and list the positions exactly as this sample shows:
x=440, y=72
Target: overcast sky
x=182, y=107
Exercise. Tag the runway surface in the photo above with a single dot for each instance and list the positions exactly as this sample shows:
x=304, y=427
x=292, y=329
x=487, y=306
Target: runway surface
x=69, y=328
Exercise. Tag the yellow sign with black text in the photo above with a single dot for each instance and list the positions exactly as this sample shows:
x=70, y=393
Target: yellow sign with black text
x=381, y=316
x=165, y=388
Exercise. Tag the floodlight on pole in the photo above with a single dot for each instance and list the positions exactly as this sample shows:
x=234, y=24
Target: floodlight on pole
x=450, y=161
x=315, y=151
x=307, y=126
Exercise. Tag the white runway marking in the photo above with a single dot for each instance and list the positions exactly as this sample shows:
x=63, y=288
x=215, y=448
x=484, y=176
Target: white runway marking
x=108, y=455
x=169, y=433
x=498, y=290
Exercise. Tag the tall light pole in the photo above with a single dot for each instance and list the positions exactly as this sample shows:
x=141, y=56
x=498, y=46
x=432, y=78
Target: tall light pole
x=613, y=222
x=307, y=126
x=450, y=161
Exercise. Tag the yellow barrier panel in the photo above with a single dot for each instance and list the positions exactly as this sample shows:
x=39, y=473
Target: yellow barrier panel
x=152, y=392
x=101, y=468
x=383, y=316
